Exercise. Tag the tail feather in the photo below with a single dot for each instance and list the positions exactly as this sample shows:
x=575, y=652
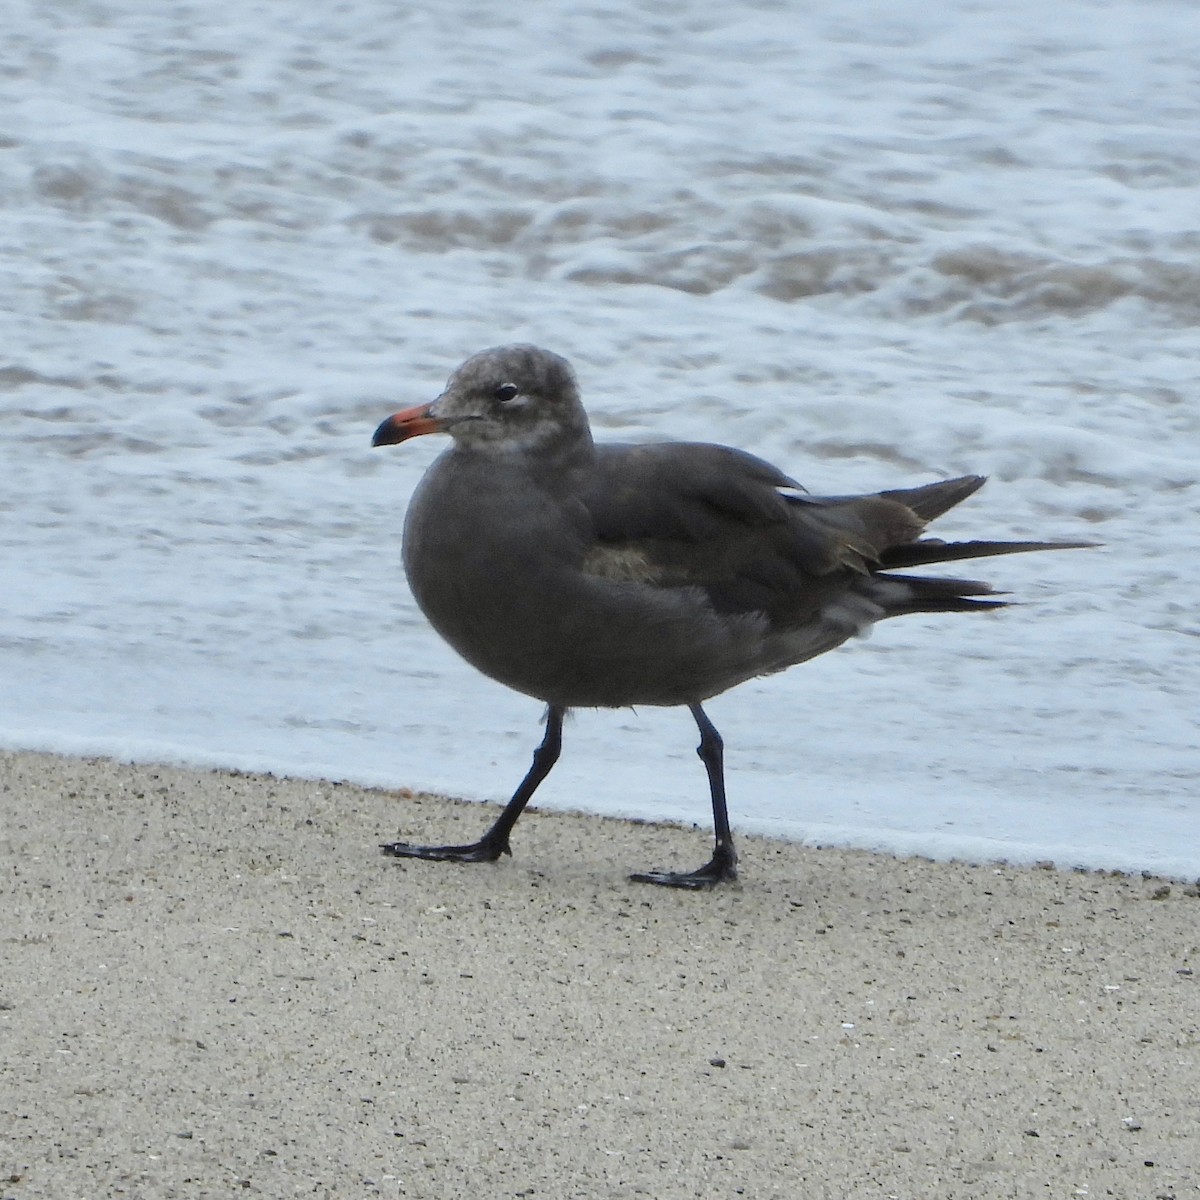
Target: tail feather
x=932, y=499
x=924, y=594
x=944, y=604
x=933, y=550
x=928, y=585
x=880, y=533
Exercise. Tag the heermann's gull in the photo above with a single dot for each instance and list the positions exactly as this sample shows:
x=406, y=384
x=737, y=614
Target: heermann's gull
x=604, y=576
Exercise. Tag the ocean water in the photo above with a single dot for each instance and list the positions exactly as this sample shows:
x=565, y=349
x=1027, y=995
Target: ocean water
x=876, y=243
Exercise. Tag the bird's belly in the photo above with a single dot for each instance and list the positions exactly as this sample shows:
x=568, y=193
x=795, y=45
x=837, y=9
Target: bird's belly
x=596, y=646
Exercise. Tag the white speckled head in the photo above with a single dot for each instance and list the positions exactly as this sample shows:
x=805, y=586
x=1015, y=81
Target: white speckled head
x=512, y=398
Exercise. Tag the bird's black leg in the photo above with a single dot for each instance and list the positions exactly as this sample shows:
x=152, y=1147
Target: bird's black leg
x=495, y=842
x=723, y=864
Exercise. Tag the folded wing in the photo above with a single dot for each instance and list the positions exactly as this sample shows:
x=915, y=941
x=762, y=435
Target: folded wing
x=702, y=516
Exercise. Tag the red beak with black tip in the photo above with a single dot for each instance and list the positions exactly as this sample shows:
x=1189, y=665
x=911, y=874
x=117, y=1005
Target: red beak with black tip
x=409, y=423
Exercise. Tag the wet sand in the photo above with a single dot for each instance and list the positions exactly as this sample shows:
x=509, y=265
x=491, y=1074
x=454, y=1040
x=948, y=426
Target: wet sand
x=212, y=984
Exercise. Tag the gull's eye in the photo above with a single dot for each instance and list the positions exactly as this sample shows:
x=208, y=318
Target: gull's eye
x=506, y=391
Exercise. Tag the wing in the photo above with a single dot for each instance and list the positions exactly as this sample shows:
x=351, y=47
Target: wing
x=692, y=515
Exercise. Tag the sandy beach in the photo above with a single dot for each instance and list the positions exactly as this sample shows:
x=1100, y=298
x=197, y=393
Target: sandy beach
x=213, y=984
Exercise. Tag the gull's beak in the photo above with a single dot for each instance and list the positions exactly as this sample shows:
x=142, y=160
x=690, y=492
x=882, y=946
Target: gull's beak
x=409, y=423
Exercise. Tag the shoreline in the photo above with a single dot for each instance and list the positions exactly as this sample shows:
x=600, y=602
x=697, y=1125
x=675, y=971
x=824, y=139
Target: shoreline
x=214, y=981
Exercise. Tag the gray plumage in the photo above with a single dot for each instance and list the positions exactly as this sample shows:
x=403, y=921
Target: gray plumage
x=609, y=575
